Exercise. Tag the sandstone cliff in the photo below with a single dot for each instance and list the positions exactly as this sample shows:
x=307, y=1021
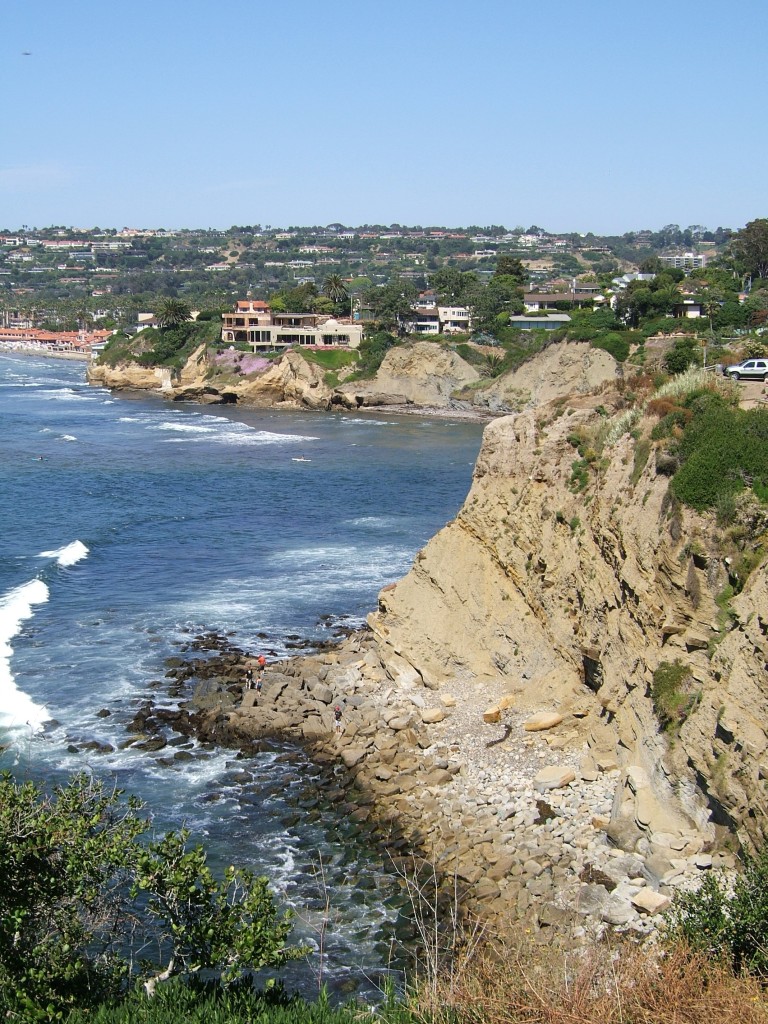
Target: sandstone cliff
x=564, y=369
x=290, y=381
x=419, y=376
x=568, y=598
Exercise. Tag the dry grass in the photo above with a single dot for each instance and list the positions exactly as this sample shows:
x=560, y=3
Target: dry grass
x=621, y=984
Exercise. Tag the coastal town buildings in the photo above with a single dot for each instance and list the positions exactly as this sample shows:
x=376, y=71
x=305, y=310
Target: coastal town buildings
x=33, y=339
x=535, y=301
x=427, y=317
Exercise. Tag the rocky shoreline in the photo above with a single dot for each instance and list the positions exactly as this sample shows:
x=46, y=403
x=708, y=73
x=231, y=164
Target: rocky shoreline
x=506, y=811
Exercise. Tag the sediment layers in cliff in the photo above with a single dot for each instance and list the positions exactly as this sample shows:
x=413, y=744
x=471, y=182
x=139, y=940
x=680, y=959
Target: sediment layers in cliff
x=573, y=595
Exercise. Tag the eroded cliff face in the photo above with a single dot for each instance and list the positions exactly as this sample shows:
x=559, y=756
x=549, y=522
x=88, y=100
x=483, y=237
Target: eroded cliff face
x=422, y=373
x=574, y=597
x=566, y=368
x=290, y=381
x=129, y=376
x=425, y=374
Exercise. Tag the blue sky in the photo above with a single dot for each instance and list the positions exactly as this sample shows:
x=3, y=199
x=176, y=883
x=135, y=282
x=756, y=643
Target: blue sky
x=602, y=116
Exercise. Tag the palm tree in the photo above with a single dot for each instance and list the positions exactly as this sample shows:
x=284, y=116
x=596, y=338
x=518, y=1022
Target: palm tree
x=172, y=312
x=335, y=288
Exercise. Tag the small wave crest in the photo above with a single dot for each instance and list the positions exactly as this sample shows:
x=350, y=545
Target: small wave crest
x=238, y=436
x=17, y=709
x=193, y=428
x=67, y=555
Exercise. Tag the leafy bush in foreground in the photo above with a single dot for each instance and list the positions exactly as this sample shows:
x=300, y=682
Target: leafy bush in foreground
x=731, y=919
x=83, y=897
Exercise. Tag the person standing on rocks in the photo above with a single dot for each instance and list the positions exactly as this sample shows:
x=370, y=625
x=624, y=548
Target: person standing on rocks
x=249, y=678
x=337, y=718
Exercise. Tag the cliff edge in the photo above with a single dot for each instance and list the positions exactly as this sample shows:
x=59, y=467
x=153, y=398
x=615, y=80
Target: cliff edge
x=568, y=598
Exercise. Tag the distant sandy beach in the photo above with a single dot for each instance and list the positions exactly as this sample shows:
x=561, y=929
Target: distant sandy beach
x=35, y=350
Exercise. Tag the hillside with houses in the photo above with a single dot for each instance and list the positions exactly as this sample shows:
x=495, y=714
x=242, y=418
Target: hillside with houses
x=345, y=297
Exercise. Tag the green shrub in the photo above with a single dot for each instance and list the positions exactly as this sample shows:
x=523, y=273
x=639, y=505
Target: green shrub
x=732, y=920
x=173, y=345
x=579, y=475
x=684, y=353
x=673, y=693
x=616, y=343
x=117, y=350
x=723, y=451
x=666, y=425
x=207, y=1002
x=372, y=350
x=84, y=895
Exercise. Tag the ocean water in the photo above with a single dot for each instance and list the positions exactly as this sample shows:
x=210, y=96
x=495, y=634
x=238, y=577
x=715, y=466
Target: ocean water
x=126, y=524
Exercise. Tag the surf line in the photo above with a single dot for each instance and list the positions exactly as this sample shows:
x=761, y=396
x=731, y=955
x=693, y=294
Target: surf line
x=19, y=711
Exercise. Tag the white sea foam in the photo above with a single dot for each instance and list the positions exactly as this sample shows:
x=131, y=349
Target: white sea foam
x=352, y=421
x=194, y=428
x=379, y=522
x=17, y=709
x=69, y=554
x=67, y=437
x=63, y=394
x=233, y=435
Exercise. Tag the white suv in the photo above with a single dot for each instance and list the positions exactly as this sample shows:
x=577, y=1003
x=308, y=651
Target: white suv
x=756, y=369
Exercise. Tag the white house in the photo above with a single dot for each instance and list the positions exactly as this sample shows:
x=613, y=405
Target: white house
x=454, y=319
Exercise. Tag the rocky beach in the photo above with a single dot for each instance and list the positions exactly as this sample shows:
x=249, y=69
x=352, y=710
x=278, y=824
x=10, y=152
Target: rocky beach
x=509, y=810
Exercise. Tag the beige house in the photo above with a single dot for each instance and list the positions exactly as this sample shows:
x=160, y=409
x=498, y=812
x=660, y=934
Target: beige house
x=255, y=324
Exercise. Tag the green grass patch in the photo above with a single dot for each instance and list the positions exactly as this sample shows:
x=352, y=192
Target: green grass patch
x=332, y=358
x=198, y=1002
x=642, y=451
x=673, y=693
x=119, y=349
